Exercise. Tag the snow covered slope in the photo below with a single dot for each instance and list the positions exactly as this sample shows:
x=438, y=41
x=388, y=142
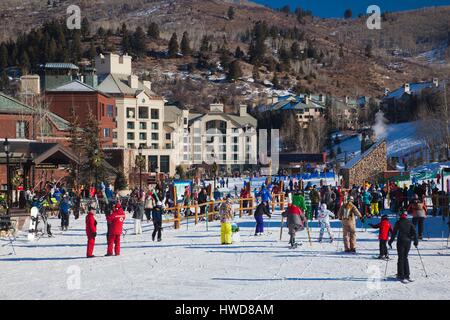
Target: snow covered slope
x=191, y=264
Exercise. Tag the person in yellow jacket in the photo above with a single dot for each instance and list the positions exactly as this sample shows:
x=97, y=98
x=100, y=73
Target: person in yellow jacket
x=226, y=213
x=347, y=214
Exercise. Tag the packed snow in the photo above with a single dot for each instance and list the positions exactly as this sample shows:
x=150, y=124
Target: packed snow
x=190, y=263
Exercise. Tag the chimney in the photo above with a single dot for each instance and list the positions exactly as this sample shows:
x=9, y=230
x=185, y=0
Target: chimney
x=243, y=110
x=386, y=91
x=147, y=84
x=307, y=97
x=436, y=82
x=407, y=88
x=322, y=98
x=216, y=107
x=133, y=81
x=347, y=99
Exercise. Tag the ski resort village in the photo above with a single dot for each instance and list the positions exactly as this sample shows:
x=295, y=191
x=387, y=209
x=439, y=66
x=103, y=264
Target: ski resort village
x=223, y=150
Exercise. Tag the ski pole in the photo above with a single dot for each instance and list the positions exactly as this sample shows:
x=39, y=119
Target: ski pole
x=281, y=229
x=339, y=235
x=309, y=235
x=385, y=270
x=423, y=266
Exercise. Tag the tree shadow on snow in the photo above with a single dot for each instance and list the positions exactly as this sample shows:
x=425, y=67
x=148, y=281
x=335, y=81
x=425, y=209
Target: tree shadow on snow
x=293, y=279
x=43, y=259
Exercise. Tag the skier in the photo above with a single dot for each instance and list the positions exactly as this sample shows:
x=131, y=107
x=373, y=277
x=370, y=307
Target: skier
x=148, y=205
x=385, y=229
x=91, y=230
x=418, y=209
x=260, y=211
x=366, y=202
x=405, y=232
x=265, y=196
x=347, y=214
x=157, y=214
x=64, y=211
x=296, y=221
x=315, y=201
x=375, y=211
x=115, y=219
x=226, y=217
x=324, y=222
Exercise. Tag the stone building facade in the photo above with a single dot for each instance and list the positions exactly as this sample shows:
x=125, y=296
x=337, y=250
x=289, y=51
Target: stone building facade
x=367, y=167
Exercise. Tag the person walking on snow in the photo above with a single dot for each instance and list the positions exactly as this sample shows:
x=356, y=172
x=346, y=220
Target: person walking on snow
x=348, y=214
x=138, y=215
x=226, y=217
x=64, y=211
x=157, y=214
x=91, y=231
x=296, y=221
x=265, y=196
x=405, y=232
x=260, y=211
x=366, y=202
x=115, y=219
x=418, y=209
x=324, y=222
x=385, y=230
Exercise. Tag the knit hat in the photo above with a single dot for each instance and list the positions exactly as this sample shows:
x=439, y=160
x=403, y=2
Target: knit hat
x=323, y=206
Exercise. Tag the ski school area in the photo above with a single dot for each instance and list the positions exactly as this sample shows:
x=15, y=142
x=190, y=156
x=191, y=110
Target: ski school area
x=190, y=263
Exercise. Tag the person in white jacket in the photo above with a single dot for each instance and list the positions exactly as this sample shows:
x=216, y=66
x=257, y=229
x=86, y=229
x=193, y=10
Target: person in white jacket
x=324, y=222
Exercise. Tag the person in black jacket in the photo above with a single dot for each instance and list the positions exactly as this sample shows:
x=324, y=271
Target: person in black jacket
x=260, y=211
x=157, y=214
x=405, y=232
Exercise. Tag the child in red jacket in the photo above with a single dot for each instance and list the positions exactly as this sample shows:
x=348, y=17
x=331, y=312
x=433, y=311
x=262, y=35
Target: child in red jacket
x=385, y=229
x=91, y=231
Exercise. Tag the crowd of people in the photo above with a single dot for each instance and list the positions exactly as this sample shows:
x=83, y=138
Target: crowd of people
x=305, y=204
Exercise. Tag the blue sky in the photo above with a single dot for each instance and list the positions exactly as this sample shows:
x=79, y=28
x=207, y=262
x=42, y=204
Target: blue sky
x=336, y=8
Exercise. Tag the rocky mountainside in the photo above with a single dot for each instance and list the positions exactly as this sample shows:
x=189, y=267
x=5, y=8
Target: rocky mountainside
x=347, y=59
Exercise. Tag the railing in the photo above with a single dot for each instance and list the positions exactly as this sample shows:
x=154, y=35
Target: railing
x=211, y=209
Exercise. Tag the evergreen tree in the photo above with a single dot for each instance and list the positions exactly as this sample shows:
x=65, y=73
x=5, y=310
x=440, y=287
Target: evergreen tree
x=4, y=81
x=295, y=50
x=85, y=28
x=276, y=81
x=235, y=71
x=138, y=42
x=93, y=168
x=185, y=45
x=101, y=33
x=75, y=144
x=368, y=50
x=3, y=57
x=76, y=47
x=239, y=54
x=284, y=57
x=225, y=59
x=173, y=46
x=25, y=63
x=255, y=73
x=92, y=52
x=231, y=13
x=153, y=31
x=120, y=183
x=126, y=41
x=204, y=46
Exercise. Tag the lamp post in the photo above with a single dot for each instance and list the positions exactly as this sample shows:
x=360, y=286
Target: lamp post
x=140, y=167
x=6, y=146
x=96, y=166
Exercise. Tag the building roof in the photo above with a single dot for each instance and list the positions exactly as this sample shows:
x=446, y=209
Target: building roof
x=172, y=114
x=239, y=121
x=415, y=88
x=294, y=103
x=60, y=65
x=76, y=86
x=118, y=84
x=9, y=105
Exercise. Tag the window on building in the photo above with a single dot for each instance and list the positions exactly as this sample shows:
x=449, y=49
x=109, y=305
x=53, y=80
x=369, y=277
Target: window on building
x=155, y=114
x=235, y=139
x=143, y=112
x=131, y=113
x=142, y=136
x=114, y=135
x=235, y=148
x=130, y=125
x=21, y=129
x=110, y=111
x=155, y=136
x=155, y=146
x=152, y=163
x=185, y=121
x=130, y=135
x=107, y=132
x=168, y=146
x=143, y=125
x=130, y=145
x=164, y=164
x=155, y=125
x=167, y=136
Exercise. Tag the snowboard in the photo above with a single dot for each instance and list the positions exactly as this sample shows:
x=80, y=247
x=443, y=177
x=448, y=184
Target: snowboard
x=33, y=222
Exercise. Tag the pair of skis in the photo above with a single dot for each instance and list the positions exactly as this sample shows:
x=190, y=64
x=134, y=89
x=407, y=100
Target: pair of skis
x=307, y=230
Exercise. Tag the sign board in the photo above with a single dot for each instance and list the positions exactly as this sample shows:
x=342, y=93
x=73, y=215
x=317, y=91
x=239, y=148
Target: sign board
x=180, y=185
x=46, y=166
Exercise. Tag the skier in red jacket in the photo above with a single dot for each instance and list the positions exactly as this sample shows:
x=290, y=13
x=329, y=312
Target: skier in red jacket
x=385, y=229
x=115, y=220
x=91, y=231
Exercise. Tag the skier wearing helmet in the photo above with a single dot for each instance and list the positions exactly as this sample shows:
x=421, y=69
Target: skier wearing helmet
x=347, y=214
x=157, y=214
x=324, y=222
x=115, y=219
